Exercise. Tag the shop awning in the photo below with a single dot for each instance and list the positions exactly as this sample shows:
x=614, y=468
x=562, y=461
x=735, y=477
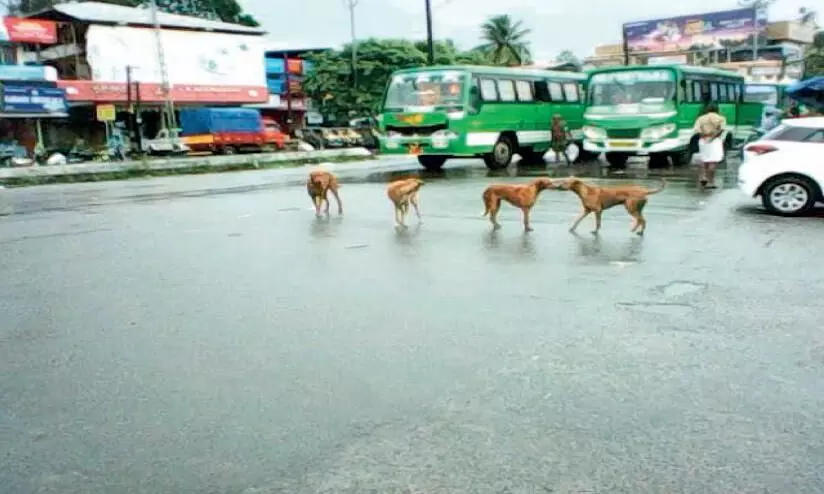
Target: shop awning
x=34, y=115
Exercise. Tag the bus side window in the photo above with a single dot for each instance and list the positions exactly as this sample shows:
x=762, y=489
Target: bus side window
x=714, y=91
x=556, y=92
x=489, y=90
x=571, y=92
x=524, y=90
x=686, y=94
x=722, y=93
x=697, y=92
x=542, y=91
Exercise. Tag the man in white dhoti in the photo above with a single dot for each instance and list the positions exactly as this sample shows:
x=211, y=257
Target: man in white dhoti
x=710, y=127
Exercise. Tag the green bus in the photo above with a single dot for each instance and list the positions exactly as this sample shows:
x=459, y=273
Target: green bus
x=443, y=112
x=769, y=93
x=651, y=111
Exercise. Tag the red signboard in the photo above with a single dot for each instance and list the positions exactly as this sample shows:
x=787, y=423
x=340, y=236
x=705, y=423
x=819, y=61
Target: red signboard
x=18, y=30
x=104, y=92
x=294, y=66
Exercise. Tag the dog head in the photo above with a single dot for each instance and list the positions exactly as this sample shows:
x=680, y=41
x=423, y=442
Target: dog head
x=543, y=183
x=571, y=183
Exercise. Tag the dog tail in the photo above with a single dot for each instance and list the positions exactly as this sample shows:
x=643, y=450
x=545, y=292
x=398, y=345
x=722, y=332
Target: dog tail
x=659, y=189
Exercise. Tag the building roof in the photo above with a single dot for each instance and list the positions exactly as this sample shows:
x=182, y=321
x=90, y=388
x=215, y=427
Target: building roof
x=496, y=70
x=106, y=13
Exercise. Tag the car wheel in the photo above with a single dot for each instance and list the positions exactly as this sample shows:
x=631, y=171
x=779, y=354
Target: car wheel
x=789, y=195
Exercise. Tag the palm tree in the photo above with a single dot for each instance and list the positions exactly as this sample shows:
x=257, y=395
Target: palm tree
x=814, y=58
x=504, y=41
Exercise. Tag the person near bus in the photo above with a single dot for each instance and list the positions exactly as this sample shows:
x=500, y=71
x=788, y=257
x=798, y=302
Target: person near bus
x=560, y=138
x=710, y=127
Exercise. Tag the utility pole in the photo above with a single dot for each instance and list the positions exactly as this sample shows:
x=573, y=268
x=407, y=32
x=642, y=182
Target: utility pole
x=168, y=105
x=351, y=4
x=759, y=7
x=430, y=46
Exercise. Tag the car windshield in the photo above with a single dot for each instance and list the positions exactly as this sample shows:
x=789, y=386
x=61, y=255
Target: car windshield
x=423, y=90
x=761, y=94
x=633, y=87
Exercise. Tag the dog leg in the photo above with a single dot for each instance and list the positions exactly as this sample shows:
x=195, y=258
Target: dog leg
x=317, y=200
x=414, y=200
x=337, y=200
x=579, y=219
x=326, y=200
x=597, y=222
x=525, y=212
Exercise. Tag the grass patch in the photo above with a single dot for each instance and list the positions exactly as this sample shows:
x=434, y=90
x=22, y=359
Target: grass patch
x=195, y=169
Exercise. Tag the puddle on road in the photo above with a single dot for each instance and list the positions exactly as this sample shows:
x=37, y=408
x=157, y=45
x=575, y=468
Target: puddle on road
x=658, y=308
x=681, y=288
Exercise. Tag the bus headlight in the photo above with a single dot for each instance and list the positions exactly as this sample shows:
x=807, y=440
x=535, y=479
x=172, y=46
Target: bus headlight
x=594, y=133
x=392, y=139
x=440, y=138
x=658, y=131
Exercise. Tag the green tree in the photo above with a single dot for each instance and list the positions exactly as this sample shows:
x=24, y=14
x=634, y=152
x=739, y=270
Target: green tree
x=567, y=56
x=504, y=41
x=329, y=84
x=814, y=59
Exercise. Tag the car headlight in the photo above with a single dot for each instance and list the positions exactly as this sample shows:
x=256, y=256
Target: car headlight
x=658, y=131
x=594, y=133
x=441, y=138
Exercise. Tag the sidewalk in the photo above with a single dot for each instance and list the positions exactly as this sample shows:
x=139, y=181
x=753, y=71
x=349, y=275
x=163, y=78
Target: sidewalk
x=251, y=161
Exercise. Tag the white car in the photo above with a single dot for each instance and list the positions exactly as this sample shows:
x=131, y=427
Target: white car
x=785, y=167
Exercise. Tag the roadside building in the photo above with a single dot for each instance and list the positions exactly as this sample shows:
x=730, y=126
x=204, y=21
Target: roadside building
x=108, y=61
x=30, y=101
x=287, y=103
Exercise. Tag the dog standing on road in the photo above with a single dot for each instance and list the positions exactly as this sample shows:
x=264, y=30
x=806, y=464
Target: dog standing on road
x=521, y=196
x=595, y=199
x=320, y=183
x=402, y=193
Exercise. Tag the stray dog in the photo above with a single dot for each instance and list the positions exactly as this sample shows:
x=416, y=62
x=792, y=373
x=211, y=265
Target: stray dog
x=595, y=199
x=521, y=196
x=320, y=183
x=402, y=193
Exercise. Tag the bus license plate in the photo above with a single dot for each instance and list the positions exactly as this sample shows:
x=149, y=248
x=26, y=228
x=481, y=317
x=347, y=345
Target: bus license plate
x=415, y=149
x=621, y=144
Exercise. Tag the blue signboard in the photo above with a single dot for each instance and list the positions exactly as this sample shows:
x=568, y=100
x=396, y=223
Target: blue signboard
x=22, y=73
x=32, y=100
x=694, y=32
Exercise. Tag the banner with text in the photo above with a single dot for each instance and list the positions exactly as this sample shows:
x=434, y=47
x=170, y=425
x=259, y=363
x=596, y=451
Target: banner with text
x=694, y=32
x=18, y=30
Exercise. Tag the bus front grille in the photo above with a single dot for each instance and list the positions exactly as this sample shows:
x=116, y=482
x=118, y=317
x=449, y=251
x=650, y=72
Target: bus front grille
x=624, y=133
x=419, y=131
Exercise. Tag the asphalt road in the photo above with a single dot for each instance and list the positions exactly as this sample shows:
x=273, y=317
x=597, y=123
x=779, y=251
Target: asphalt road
x=209, y=335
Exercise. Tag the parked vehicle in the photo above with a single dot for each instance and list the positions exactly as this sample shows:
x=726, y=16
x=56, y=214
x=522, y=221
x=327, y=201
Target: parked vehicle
x=166, y=142
x=784, y=167
x=651, y=110
x=229, y=130
x=439, y=113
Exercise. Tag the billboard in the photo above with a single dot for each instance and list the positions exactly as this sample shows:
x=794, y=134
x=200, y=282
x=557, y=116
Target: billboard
x=32, y=100
x=694, y=32
x=18, y=30
x=200, y=66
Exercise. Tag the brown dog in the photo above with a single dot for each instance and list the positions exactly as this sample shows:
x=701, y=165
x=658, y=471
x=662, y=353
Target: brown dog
x=595, y=199
x=521, y=196
x=320, y=183
x=402, y=193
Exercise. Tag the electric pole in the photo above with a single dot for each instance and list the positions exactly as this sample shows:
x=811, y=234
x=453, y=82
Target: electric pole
x=759, y=7
x=430, y=48
x=351, y=4
x=169, y=121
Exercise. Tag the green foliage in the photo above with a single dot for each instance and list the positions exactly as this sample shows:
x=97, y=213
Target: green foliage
x=814, y=59
x=504, y=41
x=567, y=56
x=330, y=86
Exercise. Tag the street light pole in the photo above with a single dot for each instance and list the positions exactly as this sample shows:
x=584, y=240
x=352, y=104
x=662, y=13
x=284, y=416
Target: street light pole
x=430, y=47
x=351, y=4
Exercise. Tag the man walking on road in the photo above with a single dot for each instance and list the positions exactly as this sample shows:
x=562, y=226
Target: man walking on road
x=710, y=127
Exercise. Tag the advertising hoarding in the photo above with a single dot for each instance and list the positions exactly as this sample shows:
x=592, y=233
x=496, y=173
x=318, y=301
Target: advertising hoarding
x=201, y=66
x=693, y=32
x=18, y=30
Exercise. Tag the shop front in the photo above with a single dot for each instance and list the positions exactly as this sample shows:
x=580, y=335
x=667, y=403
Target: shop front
x=27, y=112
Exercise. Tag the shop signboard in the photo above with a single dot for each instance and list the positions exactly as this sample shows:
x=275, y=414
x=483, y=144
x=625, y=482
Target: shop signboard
x=19, y=30
x=22, y=73
x=202, y=67
x=106, y=113
x=32, y=100
x=694, y=32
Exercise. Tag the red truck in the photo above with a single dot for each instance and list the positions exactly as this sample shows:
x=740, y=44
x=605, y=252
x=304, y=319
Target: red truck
x=229, y=130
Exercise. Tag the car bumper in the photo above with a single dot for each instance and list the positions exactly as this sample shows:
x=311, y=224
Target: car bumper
x=747, y=183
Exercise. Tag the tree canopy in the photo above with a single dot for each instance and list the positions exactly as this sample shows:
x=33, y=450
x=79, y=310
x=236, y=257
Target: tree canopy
x=814, y=59
x=504, y=41
x=567, y=56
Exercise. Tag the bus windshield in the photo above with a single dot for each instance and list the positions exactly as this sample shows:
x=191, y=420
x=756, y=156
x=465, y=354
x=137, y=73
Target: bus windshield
x=761, y=93
x=632, y=88
x=425, y=90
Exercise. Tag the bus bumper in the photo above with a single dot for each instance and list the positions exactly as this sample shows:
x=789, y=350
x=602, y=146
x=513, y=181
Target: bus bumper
x=444, y=144
x=636, y=146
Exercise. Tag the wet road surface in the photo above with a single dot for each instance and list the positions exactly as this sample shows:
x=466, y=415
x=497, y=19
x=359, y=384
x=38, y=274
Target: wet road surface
x=177, y=337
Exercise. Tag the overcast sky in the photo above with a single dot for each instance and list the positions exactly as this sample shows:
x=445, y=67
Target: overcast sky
x=578, y=25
